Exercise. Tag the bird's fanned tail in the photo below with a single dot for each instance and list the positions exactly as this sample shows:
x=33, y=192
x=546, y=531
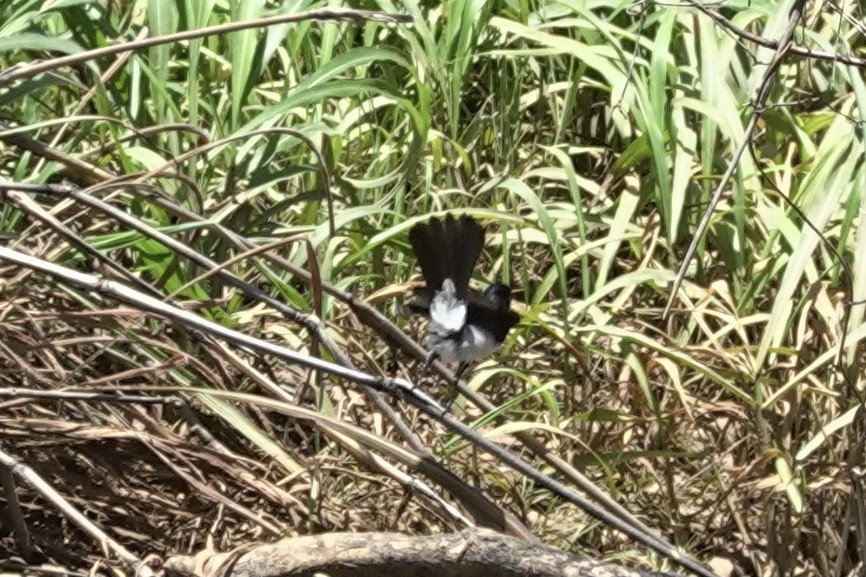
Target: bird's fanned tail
x=447, y=249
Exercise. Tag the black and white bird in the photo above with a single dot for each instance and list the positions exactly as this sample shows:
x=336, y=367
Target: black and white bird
x=465, y=325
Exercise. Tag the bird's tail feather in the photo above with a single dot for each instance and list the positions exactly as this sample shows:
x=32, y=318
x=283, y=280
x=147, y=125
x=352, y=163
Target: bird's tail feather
x=447, y=249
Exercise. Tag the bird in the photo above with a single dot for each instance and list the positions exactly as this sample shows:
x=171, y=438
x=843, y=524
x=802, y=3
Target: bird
x=464, y=325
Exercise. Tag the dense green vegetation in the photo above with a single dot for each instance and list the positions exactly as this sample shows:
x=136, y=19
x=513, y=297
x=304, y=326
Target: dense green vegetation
x=591, y=138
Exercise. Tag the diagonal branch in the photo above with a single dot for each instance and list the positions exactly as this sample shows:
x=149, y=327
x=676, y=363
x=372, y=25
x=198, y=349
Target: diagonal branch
x=784, y=47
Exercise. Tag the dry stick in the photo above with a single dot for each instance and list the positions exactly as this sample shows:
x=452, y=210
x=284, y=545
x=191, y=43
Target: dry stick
x=47, y=491
x=78, y=169
x=201, y=134
x=467, y=553
x=397, y=387
x=97, y=179
x=233, y=260
x=323, y=14
x=784, y=46
x=20, y=392
x=778, y=44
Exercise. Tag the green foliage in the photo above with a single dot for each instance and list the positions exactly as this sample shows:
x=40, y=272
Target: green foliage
x=589, y=136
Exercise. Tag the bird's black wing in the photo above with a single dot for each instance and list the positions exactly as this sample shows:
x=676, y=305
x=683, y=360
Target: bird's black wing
x=484, y=312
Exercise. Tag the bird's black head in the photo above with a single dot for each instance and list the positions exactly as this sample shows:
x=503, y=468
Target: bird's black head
x=499, y=294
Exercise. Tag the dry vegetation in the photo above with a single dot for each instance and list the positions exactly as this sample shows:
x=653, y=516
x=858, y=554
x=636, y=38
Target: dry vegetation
x=264, y=180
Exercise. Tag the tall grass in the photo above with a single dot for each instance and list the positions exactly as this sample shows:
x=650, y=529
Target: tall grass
x=589, y=138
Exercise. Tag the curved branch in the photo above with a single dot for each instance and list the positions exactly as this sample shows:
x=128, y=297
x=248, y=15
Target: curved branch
x=770, y=43
x=468, y=553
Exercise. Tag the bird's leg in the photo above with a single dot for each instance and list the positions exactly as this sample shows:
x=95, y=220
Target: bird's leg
x=460, y=370
x=452, y=386
x=391, y=365
x=431, y=358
